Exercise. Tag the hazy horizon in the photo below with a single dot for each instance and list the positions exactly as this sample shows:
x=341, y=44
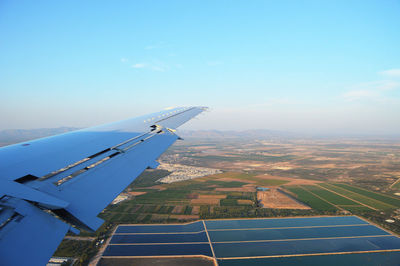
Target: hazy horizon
x=299, y=66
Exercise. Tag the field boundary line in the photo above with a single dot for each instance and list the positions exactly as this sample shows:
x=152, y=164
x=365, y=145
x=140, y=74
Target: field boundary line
x=239, y=218
x=296, y=227
x=177, y=233
x=160, y=256
x=348, y=197
x=384, y=203
x=192, y=222
x=299, y=239
x=340, y=208
x=154, y=244
x=379, y=193
x=270, y=218
x=395, y=182
x=209, y=241
x=379, y=226
x=312, y=254
x=95, y=260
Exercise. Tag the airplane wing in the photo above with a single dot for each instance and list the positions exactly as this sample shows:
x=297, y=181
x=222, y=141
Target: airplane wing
x=56, y=184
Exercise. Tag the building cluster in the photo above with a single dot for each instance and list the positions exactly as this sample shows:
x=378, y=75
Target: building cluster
x=184, y=172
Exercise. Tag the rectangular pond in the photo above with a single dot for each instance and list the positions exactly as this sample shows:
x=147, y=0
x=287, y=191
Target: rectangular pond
x=273, y=248
x=158, y=250
x=159, y=238
x=164, y=228
x=283, y=222
x=295, y=233
x=365, y=259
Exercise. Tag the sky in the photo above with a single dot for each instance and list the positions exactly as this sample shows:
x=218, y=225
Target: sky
x=329, y=67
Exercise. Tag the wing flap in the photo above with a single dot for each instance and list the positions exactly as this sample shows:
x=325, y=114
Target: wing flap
x=31, y=238
x=51, y=184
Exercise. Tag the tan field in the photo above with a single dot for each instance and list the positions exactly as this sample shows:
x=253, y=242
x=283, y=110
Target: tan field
x=212, y=196
x=292, y=181
x=275, y=199
x=136, y=193
x=206, y=201
x=244, y=202
x=177, y=209
x=196, y=210
x=236, y=189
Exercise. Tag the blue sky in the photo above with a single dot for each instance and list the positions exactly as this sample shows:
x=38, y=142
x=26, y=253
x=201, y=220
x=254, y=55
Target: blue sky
x=307, y=66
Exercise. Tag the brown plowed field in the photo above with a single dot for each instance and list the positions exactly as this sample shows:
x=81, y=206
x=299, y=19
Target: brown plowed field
x=292, y=181
x=212, y=196
x=275, y=199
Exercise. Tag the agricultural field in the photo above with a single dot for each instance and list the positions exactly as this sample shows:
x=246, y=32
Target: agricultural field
x=367, y=201
x=354, y=177
x=311, y=199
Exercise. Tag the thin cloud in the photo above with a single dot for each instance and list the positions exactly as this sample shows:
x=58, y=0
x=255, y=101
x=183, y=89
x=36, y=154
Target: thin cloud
x=157, y=66
x=382, y=85
x=139, y=65
x=355, y=95
x=394, y=73
x=124, y=60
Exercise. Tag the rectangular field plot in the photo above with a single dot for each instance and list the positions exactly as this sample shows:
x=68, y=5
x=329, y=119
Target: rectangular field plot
x=347, y=240
x=159, y=238
x=165, y=228
x=365, y=259
x=310, y=199
x=367, y=200
x=330, y=196
x=283, y=222
x=158, y=250
x=315, y=246
x=377, y=196
x=295, y=233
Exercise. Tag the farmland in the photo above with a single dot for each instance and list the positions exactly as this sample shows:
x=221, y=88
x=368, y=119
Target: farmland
x=325, y=177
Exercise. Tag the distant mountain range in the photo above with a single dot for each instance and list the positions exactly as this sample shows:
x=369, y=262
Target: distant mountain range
x=10, y=136
x=229, y=134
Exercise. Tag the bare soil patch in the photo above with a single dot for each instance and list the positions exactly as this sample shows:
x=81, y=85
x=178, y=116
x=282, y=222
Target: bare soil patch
x=292, y=181
x=227, y=179
x=206, y=201
x=177, y=209
x=196, y=210
x=184, y=217
x=245, y=202
x=236, y=189
x=222, y=196
x=192, y=196
x=275, y=199
x=137, y=193
x=158, y=187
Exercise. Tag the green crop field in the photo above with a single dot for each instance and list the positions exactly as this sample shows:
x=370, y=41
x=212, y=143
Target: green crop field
x=311, y=200
x=377, y=196
x=228, y=202
x=72, y=248
x=397, y=185
x=361, y=198
x=329, y=196
x=242, y=195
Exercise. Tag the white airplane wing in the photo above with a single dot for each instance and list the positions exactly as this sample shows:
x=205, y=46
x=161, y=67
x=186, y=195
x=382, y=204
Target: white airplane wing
x=56, y=184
